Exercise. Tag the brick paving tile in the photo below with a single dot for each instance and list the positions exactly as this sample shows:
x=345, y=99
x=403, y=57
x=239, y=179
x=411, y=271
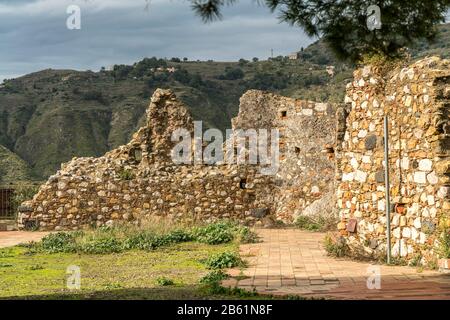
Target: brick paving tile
x=294, y=262
x=13, y=238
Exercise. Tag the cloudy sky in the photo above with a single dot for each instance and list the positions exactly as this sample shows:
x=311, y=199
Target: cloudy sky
x=34, y=36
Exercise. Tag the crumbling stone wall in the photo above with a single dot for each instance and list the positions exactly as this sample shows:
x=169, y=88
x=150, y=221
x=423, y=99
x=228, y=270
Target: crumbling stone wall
x=139, y=179
x=416, y=100
x=305, y=179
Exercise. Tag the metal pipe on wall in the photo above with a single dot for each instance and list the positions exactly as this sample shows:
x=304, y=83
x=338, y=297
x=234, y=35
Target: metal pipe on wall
x=388, y=189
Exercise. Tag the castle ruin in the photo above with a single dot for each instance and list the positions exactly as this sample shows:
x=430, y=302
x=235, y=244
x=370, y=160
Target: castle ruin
x=331, y=162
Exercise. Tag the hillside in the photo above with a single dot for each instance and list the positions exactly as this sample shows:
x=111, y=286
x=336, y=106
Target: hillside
x=12, y=168
x=50, y=116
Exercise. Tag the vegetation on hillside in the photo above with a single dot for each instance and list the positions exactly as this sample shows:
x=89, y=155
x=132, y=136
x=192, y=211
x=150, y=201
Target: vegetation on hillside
x=50, y=116
x=355, y=28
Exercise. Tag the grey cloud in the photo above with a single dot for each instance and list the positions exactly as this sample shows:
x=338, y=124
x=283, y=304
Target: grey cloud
x=114, y=34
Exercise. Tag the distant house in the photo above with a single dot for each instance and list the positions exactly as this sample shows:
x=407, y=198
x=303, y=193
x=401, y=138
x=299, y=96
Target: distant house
x=294, y=56
x=171, y=69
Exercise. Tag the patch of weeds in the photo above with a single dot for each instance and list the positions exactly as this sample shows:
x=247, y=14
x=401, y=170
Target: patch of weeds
x=113, y=286
x=5, y=265
x=241, y=276
x=59, y=242
x=7, y=253
x=336, y=247
x=116, y=239
x=398, y=261
x=278, y=224
x=215, y=233
x=214, y=277
x=444, y=243
x=246, y=235
x=163, y=281
x=217, y=289
x=35, y=267
x=146, y=240
x=142, y=240
x=316, y=223
x=178, y=236
x=223, y=260
x=101, y=246
x=22, y=192
x=433, y=264
x=126, y=174
x=307, y=223
x=416, y=260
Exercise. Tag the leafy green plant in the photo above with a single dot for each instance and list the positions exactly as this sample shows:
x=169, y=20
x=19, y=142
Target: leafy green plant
x=5, y=265
x=126, y=174
x=416, y=260
x=163, y=281
x=36, y=267
x=444, y=244
x=119, y=238
x=22, y=192
x=215, y=233
x=336, y=247
x=101, y=246
x=213, y=277
x=307, y=223
x=59, y=242
x=246, y=235
x=223, y=260
x=316, y=223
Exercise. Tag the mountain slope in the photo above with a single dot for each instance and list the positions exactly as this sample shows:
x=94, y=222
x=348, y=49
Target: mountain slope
x=50, y=116
x=12, y=167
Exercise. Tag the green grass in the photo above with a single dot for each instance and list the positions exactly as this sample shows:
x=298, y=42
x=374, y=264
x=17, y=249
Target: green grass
x=151, y=261
x=131, y=274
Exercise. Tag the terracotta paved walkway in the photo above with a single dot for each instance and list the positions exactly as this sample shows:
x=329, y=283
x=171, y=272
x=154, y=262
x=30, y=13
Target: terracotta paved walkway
x=12, y=238
x=291, y=261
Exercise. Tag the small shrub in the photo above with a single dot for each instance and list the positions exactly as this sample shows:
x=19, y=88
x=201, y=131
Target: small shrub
x=336, y=247
x=142, y=240
x=246, y=235
x=317, y=223
x=444, y=244
x=126, y=174
x=178, y=236
x=416, y=260
x=215, y=233
x=214, y=277
x=307, y=223
x=146, y=240
x=163, y=281
x=59, y=242
x=35, y=267
x=5, y=265
x=101, y=246
x=223, y=260
x=22, y=192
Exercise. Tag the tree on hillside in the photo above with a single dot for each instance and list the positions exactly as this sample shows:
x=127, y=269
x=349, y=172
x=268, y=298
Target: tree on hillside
x=348, y=26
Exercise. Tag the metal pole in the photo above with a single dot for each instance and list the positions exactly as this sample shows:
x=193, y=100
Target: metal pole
x=388, y=189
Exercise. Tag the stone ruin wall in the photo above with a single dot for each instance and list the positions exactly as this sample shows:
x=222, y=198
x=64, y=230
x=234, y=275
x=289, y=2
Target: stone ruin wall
x=304, y=182
x=140, y=180
x=416, y=100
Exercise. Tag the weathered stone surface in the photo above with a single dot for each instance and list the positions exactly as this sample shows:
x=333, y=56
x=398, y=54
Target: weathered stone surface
x=418, y=156
x=140, y=180
x=370, y=142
